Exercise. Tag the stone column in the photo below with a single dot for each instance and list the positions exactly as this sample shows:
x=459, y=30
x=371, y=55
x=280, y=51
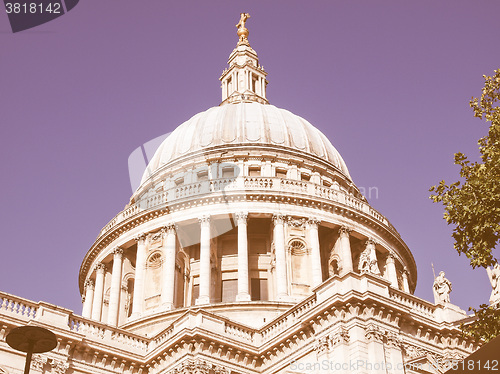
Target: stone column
x=140, y=275
x=116, y=283
x=279, y=251
x=243, y=289
x=392, y=275
x=406, y=285
x=168, y=286
x=205, y=268
x=89, y=298
x=317, y=276
x=345, y=249
x=99, y=292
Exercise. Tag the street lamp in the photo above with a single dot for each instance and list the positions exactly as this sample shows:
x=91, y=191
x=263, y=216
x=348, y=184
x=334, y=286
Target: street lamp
x=31, y=339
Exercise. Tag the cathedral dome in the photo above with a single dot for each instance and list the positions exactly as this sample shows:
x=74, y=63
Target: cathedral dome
x=244, y=210
x=245, y=125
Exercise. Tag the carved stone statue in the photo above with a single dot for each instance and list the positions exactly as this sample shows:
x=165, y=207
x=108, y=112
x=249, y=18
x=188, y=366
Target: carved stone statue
x=494, y=275
x=368, y=259
x=442, y=289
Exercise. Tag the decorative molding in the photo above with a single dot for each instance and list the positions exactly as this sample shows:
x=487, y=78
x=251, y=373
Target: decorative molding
x=330, y=341
x=141, y=238
x=311, y=221
x=100, y=267
x=117, y=252
x=39, y=362
x=296, y=222
x=344, y=231
x=374, y=333
x=89, y=283
x=204, y=220
x=241, y=217
x=278, y=219
x=170, y=228
x=370, y=241
x=198, y=367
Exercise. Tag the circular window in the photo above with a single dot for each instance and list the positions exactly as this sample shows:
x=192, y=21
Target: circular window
x=154, y=260
x=297, y=247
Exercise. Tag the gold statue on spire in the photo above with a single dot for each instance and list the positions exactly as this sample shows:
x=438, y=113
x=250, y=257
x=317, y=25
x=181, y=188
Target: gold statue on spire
x=242, y=30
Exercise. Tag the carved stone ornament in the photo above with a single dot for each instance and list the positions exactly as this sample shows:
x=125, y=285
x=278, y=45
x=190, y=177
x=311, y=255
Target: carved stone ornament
x=169, y=229
x=368, y=260
x=296, y=222
x=140, y=238
x=241, y=217
x=374, y=333
x=198, y=367
x=204, y=220
x=38, y=362
x=278, y=219
x=494, y=276
x=330, y=341
x=118, y=252
x=100, y=267
x=89, y=283
x=344, y=231
x=59, y=367
x=442, y=289
x=313, y=221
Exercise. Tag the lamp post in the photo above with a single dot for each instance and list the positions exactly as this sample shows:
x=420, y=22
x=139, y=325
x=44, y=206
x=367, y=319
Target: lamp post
x=31, y=339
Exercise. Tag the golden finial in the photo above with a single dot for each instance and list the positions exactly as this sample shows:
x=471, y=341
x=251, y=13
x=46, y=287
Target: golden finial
x=242, y=30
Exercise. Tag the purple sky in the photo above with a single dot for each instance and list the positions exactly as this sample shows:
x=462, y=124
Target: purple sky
x=388, y=82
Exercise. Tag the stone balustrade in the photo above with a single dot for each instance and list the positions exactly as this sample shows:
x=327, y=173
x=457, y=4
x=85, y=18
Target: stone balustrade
x=17, y=306
x=22, y=310
x=417, y=305
x=249, y=184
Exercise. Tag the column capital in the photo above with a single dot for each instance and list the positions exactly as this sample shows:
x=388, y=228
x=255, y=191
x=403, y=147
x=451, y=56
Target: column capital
x=204, y=220
x=278, y=219
x=311, y=221
x=140, y=238
x=100, y=268
x=370, y=241
x=170, y=228
x=344, y=231
x=241, y=217
x=89, y=283
x=405, y=272
x=390, y=258
x=117, y=252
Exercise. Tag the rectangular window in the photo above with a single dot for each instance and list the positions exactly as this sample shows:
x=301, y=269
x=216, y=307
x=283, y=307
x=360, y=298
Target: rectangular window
x=227, y=172
x=196, y=293
x=305, y=177
x=229, y=290
x=179, y=181
x=281, y=173
x=202, y=175
x=259, y=289
x=254, y=171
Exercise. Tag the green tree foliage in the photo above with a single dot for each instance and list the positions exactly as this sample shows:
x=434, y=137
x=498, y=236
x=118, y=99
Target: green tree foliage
x=472, y=204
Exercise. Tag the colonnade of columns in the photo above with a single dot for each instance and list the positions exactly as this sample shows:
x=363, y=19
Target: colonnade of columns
x=94, y=291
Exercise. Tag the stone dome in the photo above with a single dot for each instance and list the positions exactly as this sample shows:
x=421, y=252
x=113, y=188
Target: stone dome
x=242, y=125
